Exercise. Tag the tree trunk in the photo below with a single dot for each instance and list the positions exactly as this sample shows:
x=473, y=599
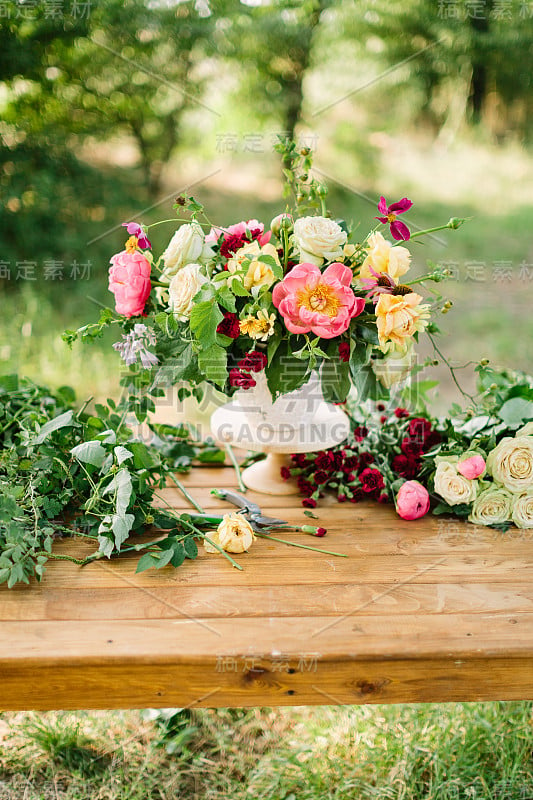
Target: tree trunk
x=479, y=82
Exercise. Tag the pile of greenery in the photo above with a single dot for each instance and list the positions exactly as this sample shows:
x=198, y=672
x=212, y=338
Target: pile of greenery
x=67, y=471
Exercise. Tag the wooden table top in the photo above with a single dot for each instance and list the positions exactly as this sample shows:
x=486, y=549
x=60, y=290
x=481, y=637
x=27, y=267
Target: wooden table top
x=432, y=610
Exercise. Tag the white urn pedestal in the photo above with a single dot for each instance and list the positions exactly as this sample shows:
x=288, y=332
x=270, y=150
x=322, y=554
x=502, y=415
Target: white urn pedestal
x=297, y=422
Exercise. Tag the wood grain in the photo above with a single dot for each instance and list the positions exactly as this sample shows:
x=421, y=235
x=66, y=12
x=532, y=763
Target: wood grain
x=435, y=610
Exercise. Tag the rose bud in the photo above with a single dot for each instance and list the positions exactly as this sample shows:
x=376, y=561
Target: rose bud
x=412, y=500
x=281, y=221
x=472, y=467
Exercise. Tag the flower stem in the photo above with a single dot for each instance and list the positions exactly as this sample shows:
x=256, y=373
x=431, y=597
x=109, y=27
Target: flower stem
x=185, y=493
x=304, y=546
x=453, y=223
x=231, y=454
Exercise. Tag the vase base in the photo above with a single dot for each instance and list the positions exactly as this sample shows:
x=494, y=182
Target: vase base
x=265, y=476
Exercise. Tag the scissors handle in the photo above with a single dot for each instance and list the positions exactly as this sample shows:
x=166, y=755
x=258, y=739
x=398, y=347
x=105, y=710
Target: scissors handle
x=237, y=500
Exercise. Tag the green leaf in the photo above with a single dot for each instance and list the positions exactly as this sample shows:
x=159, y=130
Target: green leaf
x=9, y=383
x=178, y=555
x=226, y=298
x=205, y=317
x=121, y=484
x=62, y=421
x=122, y=454
x=143, y=458
x=516, y=411
x=335, y=381
x=190, y=547
x=285, y=373
x=213, y=363
x=274, y=265
x=146, y=562
x=90, y=453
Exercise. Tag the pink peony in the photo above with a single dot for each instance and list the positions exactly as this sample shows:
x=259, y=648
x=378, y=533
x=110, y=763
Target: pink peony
x=412, y=500
x=129, y=280
x=472, y=467
x=321, y=302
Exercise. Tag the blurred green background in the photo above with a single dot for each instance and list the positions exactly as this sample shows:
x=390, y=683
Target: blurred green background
x=110, y=109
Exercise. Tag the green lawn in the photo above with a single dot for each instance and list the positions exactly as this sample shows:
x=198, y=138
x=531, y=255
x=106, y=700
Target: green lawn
x=456, y=751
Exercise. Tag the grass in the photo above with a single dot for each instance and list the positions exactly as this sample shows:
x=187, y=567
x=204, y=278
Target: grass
x=479, y=751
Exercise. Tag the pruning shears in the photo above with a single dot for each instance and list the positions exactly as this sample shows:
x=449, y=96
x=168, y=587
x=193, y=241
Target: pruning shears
x=250, y=511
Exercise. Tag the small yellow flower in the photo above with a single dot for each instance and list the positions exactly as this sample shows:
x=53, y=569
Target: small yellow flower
x=131, y=244
x=260, y=327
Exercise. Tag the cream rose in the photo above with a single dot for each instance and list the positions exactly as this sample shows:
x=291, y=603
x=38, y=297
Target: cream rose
x=186, y=246
x=492, y=506
x=511, y=463
x=453, y=487
x=384, y=257
x=319, y=239
x=394, y=367
x=522, y=510
x=257, y=273
x=183, y=286
x=527, y=430
x=234, y=534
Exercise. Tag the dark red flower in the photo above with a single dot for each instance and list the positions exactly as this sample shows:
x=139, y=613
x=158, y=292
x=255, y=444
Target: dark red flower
x=342, y=498
x=365, y=459
x=383, y=418
x=321, y=531
x=383, y=498
x=232, y=243
x=300, y=460
x=350, y=463
x=308, y=502
x=229, y=326
x=432, y=440
x=324, y=459
x=253, y=362
x=285, y=473
x=358, y=495
x=344, y=351
x=380, y=406
x=241, y=379
x=360, y=432
x=405, y=467
x=401, y=413
x=371, y=480
x=305, y=486
x=419, y=429
x=321, y=476
x=411, y=448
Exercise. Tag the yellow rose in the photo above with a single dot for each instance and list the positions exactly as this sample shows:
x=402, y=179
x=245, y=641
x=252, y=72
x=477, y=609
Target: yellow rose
x=383, y=257
x=398, y=318
x=511, y=463
x=453, y=487
x=258, y=273
x=522, y=511
x=492, y=506
x=234, y=534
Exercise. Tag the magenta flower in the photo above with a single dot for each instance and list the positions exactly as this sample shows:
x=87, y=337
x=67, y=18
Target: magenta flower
x=134, y=229
x=399, y=230
x=381, y=283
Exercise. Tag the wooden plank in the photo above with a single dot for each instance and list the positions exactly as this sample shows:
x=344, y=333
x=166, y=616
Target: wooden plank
x=167, y=602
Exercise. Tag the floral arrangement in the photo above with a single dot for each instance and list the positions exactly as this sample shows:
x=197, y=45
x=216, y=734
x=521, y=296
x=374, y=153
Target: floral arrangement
x=476, y=464
x=222, y=304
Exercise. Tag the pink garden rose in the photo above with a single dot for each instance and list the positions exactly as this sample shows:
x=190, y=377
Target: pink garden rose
x=412, y=500
x=321, y=302
x=129, y=280
x=472, y=467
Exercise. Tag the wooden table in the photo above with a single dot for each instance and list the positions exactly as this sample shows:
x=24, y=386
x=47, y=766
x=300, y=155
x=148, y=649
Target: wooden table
x=421, y=611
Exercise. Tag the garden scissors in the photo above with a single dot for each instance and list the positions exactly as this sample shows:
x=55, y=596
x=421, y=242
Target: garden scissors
x=250, y=511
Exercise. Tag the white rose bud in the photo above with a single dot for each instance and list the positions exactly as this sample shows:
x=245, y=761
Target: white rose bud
x=492, y=506
x=319, y=239
x=185, y=247
x=453, y=487
x=183, y=287
x=235, y=533
x=522, y=511
x=511, y=463
x=394, y=367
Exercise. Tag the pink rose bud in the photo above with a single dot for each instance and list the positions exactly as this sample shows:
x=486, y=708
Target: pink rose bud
x=412, y=500
x=472, y=467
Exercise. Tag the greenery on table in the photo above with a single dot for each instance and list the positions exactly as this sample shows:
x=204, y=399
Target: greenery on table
x=68, y=471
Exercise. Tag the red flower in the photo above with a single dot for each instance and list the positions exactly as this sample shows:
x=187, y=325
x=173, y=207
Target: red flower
x=253, y=362
x=433, y=439
x=399, y=230
x=358, y=494
x=229, y=326
x=383, y=498
x=371, y=480
x=342, y=498
x=321, y=476
x=305, y=486
x=405, y=466
x=324, y=459
x=419, y=429
x=383, y=418
x=411, y=448
x=285, y=473
x=401, y=413
x=241, y=379
x=360, y=432
x=365, y=459
x=300, y=460
x=308, y=502
x=321, y=531
x=350, y=463
x=344, y=351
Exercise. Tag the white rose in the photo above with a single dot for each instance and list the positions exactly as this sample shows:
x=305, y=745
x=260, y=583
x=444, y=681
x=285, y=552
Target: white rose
x=522, y=511
x=453, y=487
x=383, y=257
x=186, y=246
x=492, y=506
x=183, y=287
x=511, y=463
x=394, y=367
x=234, y=535
x=527, y=430
x=318, y=238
